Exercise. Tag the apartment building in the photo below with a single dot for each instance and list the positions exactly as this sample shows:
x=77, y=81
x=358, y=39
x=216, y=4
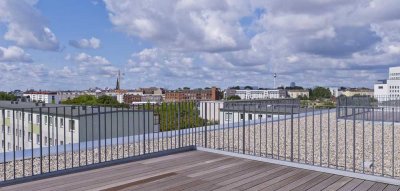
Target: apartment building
x=211, y=94
x=257, y=94
x=358, y=92
x=32, y=125
x=43, y=96
x=389, y=88
x=298, y=93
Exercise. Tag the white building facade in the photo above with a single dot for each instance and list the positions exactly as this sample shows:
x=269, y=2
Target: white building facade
x=390, y=88
x=45, y=97
x=258, y=94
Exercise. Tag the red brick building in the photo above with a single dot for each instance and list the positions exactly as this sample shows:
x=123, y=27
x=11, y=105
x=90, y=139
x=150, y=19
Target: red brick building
x=191, y=95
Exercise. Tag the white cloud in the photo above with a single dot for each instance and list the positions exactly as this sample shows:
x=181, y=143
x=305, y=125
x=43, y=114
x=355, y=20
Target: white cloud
x=87, y=59
x=93, y=43
x=26, y=26
x=207, y=25
x=14, y=54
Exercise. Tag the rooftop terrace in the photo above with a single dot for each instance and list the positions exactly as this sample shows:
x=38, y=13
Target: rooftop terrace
x=199, y=170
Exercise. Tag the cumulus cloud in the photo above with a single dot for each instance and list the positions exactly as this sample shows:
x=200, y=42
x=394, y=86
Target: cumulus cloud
x=93, y=43
x=26, y=26
x=91, y=66
x=207, y=25
x=14, y=54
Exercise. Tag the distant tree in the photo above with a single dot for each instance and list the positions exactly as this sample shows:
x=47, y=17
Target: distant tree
x=248, y=88
x=7, y=96
x=207, y=88
x=92, y=100
x=186, y=88
x=320, y=92
x=234, y=97
x=235, y=88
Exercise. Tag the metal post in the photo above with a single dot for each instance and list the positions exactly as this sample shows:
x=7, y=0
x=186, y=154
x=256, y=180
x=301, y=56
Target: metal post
x=291, y=136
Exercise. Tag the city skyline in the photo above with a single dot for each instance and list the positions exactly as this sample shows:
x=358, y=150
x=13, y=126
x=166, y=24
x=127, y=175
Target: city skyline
x=60, y=45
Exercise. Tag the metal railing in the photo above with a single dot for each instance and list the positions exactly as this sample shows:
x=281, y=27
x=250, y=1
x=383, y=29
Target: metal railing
x=364, y=141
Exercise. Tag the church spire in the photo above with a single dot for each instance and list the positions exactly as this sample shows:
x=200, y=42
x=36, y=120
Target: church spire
x=118, y=81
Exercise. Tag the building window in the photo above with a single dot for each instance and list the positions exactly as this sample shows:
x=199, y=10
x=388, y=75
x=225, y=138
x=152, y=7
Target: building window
x=45, y=120
x=71, y=125
x=250, y=116
x=61, y=142
x=9, y=130
x=259, y=116
x=38, y=139
x=37, y=119
x=30, y=118
x=51, y=121
x=241, y=116
x=9, y=146
x=380, y=87
x=2, y=144
x=56, y=121
x=45, y=140
x=61, y=123
x=228, y=116
x=29, y=136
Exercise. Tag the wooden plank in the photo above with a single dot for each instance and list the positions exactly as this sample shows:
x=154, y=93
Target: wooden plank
x=377, y=187
x=265, y=178
x=300, y=181
x=287, y=180
x=143, y=181
x=342, y=181
x=201, y=181
x=325, y=183
x=364, y=186
x=391, y=188
x=313, y=182
x=279, y=178
x=351, y=185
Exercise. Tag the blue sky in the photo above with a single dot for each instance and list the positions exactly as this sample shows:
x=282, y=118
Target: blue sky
x=78, y=44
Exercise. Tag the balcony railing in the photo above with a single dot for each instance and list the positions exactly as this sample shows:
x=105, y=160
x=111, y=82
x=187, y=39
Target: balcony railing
x=363, y=141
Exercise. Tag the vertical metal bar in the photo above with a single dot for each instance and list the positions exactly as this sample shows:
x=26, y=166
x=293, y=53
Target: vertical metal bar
x=223, y=128
x=244, y=131
x=23, y=143
x=4, y=146
x=329, y=137
x=363, y=140
x=345, y=137
x=291, y=135
x=144, y=130
x=354, y=139
x=272, y=132
x=93, y=134
x=383, y=143
x=72, y=136
x=117, y=111
x=285, y=133
x=105, y=134
x=13, y=135
x=313, y=136
x=205, y=126
x=79, y=137
x=133, y=129
x=111, y=134
x=279, y=136
x=65, y=139
x=320, y=137
x=336, y=137
x=393, y=142
x=56, y=123
x=48, y=136
x=41, y=140
x=214, y=121
x=31, y=141
x=298, y=133
x=266, y=130
x=373, y=140
x=153, y=125
x=129, y=134
x=179, y=125
x=148, y=127
x=305, y=135
x=86, y=136
x=123, y=131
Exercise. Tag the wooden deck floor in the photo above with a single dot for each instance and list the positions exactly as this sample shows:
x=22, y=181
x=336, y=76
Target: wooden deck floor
x=197, y=170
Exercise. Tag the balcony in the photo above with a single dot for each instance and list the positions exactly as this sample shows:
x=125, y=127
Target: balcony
x=126, y=148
